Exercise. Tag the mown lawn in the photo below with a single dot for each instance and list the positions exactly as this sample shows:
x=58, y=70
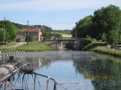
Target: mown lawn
x=34, y=46
x=102, y=48
x=94, y=45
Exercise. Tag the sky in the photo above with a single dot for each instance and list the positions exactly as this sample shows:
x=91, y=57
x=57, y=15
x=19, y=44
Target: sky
x=57, y=14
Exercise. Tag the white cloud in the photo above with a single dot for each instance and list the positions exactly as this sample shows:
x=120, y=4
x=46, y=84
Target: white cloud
x=52, y=5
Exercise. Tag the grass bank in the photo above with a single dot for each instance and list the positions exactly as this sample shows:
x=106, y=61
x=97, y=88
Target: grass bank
x=7, y=50
x=34, y=46
x=5, y=47
x=102, y=48
x=7, y=44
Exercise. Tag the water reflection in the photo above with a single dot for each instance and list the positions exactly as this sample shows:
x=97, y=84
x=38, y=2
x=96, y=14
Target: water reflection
x=108, y=69
x=68, y=68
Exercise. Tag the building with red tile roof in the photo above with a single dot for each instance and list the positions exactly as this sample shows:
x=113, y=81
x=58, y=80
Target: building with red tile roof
x=35, y=32
x=30, y=30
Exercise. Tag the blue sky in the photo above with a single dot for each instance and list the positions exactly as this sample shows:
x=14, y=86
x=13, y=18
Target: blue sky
x=57, y=14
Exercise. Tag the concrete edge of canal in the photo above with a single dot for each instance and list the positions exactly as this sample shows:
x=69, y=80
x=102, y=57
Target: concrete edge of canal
x=10, y=54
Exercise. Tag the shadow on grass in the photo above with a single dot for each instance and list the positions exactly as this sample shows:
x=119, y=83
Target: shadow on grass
x=91, y=46
x=1, y=43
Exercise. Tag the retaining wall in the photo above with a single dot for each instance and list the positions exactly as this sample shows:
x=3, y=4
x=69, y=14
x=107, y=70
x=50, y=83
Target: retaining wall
x=10, y=54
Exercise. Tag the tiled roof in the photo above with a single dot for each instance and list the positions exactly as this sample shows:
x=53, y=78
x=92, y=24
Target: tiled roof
x=41, y=37
x=30, y=30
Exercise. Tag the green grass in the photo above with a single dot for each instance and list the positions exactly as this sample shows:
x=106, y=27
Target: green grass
x=7, y=50
x=102, y=48
x=7, y=44
x=92, y=46
x=34, y=46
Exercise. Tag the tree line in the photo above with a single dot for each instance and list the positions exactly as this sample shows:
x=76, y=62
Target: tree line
x=104, y=24
x=11, y=30
x=63, y=31
x=46, y=31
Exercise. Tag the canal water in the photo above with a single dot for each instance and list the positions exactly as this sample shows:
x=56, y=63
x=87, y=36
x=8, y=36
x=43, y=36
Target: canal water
x=73, y=70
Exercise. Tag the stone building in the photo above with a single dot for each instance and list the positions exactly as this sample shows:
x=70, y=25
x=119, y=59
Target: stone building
x=53, y=38
x=35, y=32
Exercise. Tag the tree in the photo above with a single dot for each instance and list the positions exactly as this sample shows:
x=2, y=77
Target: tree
x=30, y=38
x=107, y=20
x=57, y=34
x=83, y=27
x=10, y=33
x=1, y=35
x=44, y=33
x=99, y=24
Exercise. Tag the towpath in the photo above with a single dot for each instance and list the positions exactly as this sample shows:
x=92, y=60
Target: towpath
x=18, y=44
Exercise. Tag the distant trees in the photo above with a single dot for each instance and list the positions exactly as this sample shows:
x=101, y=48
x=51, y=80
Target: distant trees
x=44, y=33
x=20, y=26
x=63, y=31
x=10, y=33
x=57, y=34
x=104, y=24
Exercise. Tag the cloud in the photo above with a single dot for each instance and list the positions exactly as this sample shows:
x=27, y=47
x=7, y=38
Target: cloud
x=54, y=5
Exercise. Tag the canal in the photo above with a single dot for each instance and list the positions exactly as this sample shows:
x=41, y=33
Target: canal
x=73, y=70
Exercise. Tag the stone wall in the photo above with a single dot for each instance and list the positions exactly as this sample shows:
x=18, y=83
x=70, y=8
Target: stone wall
x=56, y=45
x=77, y=44
x=22, y=36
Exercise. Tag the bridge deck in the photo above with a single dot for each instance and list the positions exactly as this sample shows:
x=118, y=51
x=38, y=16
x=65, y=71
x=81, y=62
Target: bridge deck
x=65, y=40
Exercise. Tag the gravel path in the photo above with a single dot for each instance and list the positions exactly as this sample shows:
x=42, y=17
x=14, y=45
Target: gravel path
x=19, y=44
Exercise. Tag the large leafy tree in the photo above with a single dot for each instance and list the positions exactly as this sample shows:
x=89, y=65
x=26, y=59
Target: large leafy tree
x=107, y=20
x=98, y=24
x=1, y=35
x=10, y=33
x=83, y=27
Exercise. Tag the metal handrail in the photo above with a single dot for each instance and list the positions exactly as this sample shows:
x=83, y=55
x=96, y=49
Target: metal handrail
x=14, y=71
x=46, y=77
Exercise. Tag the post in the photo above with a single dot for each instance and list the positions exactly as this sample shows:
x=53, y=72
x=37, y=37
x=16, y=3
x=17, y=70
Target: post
x=23, y=81
x=27, y=31
x=35, y=82
x=47, y=82
x=55, y=86
x=76, y=32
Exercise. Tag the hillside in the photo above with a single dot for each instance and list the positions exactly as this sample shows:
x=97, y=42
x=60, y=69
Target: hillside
x=63, y=35
x=63, y=31
x=20, y=26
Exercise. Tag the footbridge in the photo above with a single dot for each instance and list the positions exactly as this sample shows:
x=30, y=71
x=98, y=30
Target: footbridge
x=68, y=42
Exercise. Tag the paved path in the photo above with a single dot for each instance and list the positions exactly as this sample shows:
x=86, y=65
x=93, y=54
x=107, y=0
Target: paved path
x=19, y=44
